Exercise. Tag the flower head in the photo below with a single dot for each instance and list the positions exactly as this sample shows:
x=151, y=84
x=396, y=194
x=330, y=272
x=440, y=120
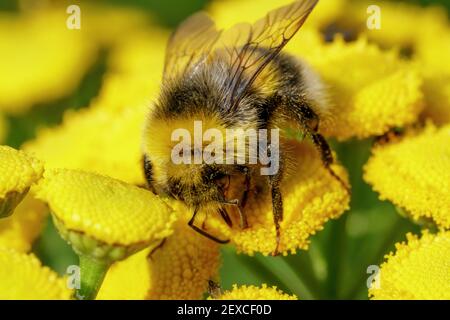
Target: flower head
x=414, y=174
x=18, y=171
x=50, y=74
x=23, y=277
x=311, y=197
x=419, y=269
x=255, y=293
x=179, y=269
x=106, y=210
x=366, y=101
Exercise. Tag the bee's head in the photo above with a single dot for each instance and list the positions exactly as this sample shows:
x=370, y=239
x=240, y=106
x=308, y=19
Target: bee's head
x=178, y=152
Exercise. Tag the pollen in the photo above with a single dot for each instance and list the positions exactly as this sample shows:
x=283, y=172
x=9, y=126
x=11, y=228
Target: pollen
x=419, y=269
x=414, y=174
x=264, y=292
x=105, y=209
x=311, y=197
x=24, y=278
x=18, y=171
x=177, y=269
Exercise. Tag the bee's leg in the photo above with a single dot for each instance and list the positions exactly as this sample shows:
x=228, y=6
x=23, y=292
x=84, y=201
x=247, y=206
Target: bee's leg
x=147, y=166
x=159, y=246
x=243, y=223
x=202, y=232
x=224, y=214
x=309, y=122
x=327, y=157
x=247, y=188
x=277, y=207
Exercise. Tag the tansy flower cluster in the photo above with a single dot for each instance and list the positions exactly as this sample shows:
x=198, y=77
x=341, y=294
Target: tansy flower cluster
x=388, y=89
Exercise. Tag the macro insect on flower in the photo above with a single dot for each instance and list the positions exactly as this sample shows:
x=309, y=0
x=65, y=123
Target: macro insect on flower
x=232, y=79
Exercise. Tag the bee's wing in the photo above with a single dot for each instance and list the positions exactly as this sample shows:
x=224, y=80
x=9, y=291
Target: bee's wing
x=242, y=44
x=191, y=42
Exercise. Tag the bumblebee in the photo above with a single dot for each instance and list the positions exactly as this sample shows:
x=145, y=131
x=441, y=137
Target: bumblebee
x=231, y=79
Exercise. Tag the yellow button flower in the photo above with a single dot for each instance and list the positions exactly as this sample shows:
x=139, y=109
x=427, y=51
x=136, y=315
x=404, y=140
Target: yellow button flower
x=106, y=209
x=18, y=171
x=419, y=269
x=179, y=269
x=96, y=140
x=255, y=293
x=19, y=231
x=49, y=74
x=22, y=277
x=311, y=197
x=432, y=53
x=107, y=137
x=104, y=219
x=414, y=174
x=366, y=101
x=228, y=13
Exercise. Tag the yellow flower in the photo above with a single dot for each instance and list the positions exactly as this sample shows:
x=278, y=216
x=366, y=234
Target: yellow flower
x=432, y=53
x=399, y=21
x=23, y=278
x=311, y=196
x=414, y=174
x=18, y=171
x=255, y=293
x=179, y=269
x=96, y=140
x=419, y=269
x=104, y=209
x=366, y=101
x=228, y=13
x=106, y=138
x=33, y=69
x=24, y=226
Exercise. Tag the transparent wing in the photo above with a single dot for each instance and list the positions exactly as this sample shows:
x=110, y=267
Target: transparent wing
x=191, y=42
x=249, y=48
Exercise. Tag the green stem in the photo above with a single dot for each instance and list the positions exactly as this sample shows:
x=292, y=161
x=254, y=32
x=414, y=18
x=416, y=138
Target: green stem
x=302, y=267
x=92, y=273
x=382, y=250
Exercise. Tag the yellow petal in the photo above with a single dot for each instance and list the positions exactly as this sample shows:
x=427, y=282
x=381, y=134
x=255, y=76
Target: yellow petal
x=21, y=229
x=419, y=269
x=255, y=293
x=414, y=174
x=22, y=277
x=311, y=197
x=105, y=209
x=179, y=269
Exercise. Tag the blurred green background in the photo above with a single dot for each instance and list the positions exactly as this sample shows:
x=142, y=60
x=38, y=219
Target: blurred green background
x=335, y=266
